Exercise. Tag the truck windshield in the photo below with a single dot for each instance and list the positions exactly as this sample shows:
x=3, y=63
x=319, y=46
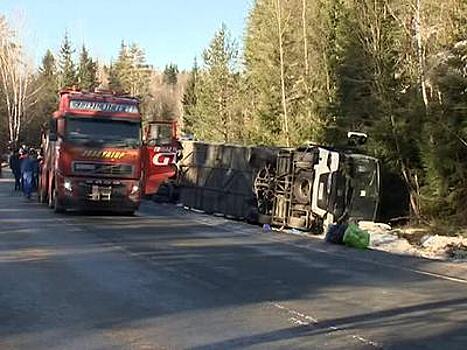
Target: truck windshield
x=116, y=133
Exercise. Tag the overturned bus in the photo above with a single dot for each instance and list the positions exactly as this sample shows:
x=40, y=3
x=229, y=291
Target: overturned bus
x=311, y=187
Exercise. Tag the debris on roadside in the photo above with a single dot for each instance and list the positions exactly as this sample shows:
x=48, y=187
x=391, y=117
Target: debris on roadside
x=457, y=251
x=335, y=233
x=356, y=237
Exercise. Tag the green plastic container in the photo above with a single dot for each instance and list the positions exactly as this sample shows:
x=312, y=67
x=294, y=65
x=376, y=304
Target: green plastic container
x=356, y=238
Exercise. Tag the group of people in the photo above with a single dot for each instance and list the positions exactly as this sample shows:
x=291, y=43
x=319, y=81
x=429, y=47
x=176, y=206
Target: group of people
x=24, y=164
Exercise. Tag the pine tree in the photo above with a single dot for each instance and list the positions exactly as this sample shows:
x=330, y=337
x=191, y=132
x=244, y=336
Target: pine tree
x=445, y=145
x=217, y=92
x=262, y=73
x=66, y=65
x=47, y=79
x=87, y=71
x=48, y=68
x=189, y=100
x=130, y=73
x=46, y=83
x=372, y=89
x=119, y=71
x=140, y=72
x=170, y=75
x=287, y=70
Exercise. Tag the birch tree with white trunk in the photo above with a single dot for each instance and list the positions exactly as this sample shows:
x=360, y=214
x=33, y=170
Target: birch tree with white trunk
x=15, y=80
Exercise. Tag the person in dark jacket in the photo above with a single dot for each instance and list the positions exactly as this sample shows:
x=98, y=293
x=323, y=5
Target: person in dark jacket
x=15, y=166
x=28, y=170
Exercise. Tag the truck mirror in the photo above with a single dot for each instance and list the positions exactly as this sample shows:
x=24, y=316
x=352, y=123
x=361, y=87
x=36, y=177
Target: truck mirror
x=53, y=130
x=52, y=136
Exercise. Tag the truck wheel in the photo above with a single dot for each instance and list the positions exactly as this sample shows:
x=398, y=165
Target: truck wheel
x=58, y=207
x=50, y=200
x=42, y=198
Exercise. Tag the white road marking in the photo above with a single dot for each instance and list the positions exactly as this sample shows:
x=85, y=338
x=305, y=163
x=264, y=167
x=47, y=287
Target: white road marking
x=308, y=319
x=300, y=319
x=366, y=341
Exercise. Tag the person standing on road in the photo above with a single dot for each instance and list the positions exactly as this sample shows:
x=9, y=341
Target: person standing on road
x=15, y=166
x=27, y=174
x=39, y=160
x=23, y=154
x=34, y=155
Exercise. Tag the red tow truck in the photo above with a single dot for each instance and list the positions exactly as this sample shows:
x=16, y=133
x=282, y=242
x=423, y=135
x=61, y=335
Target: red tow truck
x=95, y=156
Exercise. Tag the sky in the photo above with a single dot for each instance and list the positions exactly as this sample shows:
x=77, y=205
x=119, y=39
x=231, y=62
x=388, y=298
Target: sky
x=170, y=31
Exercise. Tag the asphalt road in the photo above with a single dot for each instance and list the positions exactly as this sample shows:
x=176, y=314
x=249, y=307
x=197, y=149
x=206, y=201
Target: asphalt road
x=172, y=279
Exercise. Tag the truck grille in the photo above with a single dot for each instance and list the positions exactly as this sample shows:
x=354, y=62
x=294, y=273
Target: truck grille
x=102, y=169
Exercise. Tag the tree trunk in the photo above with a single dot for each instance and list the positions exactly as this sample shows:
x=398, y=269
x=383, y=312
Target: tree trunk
x=410, y=181
x=420, y=53
x=15, y=78
x=305, y=42
x=282, y=70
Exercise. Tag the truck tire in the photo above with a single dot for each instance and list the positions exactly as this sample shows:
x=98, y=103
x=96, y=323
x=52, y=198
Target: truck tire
x=42, y=197
x=50, y=201
x=58, y=207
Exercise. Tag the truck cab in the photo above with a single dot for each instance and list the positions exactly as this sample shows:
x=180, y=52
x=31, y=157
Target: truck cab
x=94, y=154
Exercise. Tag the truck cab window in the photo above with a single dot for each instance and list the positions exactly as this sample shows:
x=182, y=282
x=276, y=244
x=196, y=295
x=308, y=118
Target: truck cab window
x=160, y=134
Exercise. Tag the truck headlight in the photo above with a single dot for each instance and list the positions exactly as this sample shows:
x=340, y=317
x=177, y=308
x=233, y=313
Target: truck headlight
x=135, y=189
x=67, y=185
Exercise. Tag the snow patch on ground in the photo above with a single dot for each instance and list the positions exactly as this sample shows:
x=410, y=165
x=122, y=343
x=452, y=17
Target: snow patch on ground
x=383, y=238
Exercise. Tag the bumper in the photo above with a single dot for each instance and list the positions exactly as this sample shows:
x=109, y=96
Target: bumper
x=98, y=194
x=117, y=206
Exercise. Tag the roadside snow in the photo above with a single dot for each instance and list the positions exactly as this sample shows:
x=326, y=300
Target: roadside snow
x=383, y=238
x=450, y=247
